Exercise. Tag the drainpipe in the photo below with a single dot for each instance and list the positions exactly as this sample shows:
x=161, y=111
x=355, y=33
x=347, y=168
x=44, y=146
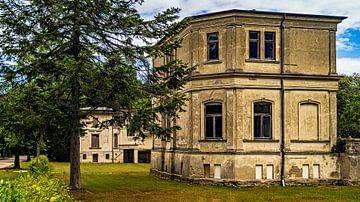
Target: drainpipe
x=282, y=92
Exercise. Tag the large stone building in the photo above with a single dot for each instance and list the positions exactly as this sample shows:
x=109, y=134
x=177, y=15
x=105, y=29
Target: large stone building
x=111, y=144
x=262, y=103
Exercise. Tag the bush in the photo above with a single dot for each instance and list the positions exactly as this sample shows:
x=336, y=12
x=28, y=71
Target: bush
x=34, y=188
x=39, y=165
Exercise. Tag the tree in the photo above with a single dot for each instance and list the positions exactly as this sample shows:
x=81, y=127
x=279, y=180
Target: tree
x=27, y=114
x=348, y=106
x=91, y=49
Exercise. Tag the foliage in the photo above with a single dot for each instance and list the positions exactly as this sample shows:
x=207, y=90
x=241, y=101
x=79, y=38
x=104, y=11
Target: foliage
x=34, y=188
x=348, y=106
x=91, y=53
x=39, y=165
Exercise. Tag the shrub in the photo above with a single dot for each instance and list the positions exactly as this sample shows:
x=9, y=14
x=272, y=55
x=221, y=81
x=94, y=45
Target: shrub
x=34, y=188
x=39, y=165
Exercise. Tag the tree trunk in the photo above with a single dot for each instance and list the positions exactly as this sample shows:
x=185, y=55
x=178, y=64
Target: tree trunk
x=75, y=178
x=28, y=158
x=39, y=143
x=17, y=159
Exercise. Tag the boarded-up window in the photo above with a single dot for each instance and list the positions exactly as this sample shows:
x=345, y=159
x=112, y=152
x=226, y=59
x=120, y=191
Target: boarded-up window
x=95, y=141
x=206, y=170
x=316, y=171
x=217, y=171
x=269, y=172
x=258, y=172
x=308, y=121
x=305, y=171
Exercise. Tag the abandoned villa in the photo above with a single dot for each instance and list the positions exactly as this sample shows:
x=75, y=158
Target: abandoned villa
x=262, y=103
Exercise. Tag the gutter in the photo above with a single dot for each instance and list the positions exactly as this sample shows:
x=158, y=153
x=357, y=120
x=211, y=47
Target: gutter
x=282, y=93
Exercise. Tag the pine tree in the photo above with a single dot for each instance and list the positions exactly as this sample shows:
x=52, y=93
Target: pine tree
x=92, y=50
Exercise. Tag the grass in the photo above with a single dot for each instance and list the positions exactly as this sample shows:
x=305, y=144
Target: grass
x=132, y=182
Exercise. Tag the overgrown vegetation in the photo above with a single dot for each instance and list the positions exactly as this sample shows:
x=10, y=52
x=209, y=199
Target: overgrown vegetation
x=36, y=185
x=348, y=106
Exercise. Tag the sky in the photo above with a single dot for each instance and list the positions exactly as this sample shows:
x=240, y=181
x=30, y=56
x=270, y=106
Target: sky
x=348, y=34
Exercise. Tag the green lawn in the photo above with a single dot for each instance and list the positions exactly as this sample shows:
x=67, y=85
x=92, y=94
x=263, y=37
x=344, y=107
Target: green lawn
x=132, y=182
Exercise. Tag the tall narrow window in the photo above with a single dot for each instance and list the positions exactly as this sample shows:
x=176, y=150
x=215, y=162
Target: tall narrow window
x=262, y=120
x=213, y=46
x=95, y=141
x=213, y=120
x=254, y=45
x=270, y=45
x=258, y=172
x=116, y=140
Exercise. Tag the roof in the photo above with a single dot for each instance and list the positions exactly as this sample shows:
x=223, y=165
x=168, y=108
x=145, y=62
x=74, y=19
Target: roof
x=267, y=13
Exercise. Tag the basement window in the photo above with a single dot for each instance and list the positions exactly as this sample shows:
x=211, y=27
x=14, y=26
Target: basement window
x=213, y=46
x=84, y=156
x=107, y=156
x=213, y=120
x=262, y=120
x=254, y=45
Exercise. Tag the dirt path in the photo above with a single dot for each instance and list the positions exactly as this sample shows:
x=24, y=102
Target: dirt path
x=9, y=162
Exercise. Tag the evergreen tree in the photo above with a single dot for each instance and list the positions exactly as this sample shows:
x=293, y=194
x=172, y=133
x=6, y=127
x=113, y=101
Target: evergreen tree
x=92, y=50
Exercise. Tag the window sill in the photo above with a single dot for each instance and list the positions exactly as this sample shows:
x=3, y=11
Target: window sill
x=213, y=140
x=212, y=62
x=309, y=141
x=94, y=147
x=261, y=140
x=262, y=61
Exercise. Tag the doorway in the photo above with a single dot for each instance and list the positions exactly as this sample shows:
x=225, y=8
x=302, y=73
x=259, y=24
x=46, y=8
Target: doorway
x=128, y=156
x=95, y=158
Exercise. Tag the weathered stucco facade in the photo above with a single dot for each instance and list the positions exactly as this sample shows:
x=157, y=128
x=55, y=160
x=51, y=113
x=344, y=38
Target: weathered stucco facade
x=285, y=63
x=111, y=144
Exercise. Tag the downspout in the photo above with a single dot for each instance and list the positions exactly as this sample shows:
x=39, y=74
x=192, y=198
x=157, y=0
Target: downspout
x=282, y=93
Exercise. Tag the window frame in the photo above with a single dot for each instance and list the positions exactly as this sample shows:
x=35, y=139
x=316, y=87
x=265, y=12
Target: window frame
x=209, y=42
x=258, y=40
x=213, y=117
x=262, y=115
x=273, y=42
x=116, y=141
x=92, y=141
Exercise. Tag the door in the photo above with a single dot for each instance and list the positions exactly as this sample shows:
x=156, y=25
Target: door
x=128, y=156
x=95, y=158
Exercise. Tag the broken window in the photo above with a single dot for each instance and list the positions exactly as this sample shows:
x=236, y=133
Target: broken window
x=270, y=45
x=213, y=46
x=262, y=120
x=254, y=45
x=95, y=141
x=213, y=120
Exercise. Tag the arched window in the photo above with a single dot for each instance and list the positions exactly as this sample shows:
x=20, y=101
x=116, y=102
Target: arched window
x=262, y=120
x=213, y=120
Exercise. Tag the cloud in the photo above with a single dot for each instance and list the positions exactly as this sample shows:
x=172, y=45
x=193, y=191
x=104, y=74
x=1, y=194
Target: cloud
x=348, y=65
x=344, y=43
x=348, y=8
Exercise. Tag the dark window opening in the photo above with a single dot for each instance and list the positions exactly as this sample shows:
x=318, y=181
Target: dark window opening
x=270, y=45
x=94, y=141
x=107, y=156
x=254, y=45
x=116, y=141
x=213, y=46
x=213, y=120
x=262, y=120
x=84, y=156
